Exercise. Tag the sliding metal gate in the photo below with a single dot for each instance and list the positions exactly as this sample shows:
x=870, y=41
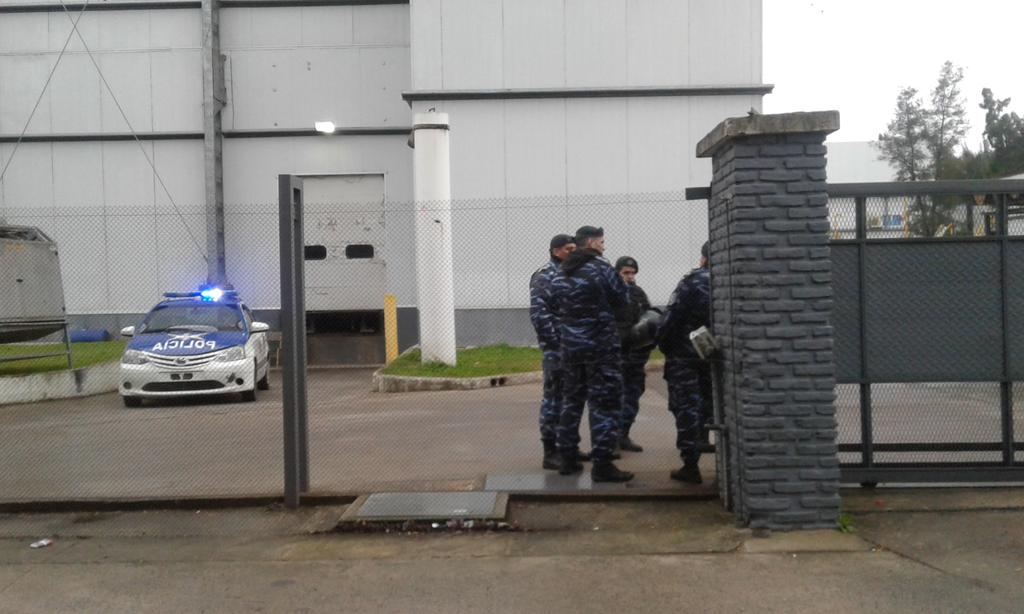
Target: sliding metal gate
x=929, y=330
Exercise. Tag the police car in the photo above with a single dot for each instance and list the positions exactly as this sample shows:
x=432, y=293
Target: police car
x=195, y=343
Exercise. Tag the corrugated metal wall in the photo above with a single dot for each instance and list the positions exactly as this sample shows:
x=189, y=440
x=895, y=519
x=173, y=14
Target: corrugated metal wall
x=288, y=67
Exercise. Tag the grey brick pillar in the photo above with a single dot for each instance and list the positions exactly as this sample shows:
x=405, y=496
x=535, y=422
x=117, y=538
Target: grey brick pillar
x=772, y=304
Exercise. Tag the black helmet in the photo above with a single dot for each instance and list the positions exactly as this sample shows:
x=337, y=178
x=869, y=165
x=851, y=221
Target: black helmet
x=644, y=334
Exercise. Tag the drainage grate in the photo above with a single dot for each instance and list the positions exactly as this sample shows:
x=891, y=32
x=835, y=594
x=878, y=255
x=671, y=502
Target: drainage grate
x=390, y=506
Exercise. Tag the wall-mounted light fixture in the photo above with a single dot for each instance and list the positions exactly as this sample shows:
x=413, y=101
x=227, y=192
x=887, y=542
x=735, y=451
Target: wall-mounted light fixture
x=326, y=127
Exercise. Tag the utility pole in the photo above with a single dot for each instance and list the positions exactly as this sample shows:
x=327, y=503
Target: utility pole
x=214, y=99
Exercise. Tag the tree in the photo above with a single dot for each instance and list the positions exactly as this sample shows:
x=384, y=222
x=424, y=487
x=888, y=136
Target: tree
x=946, y=121
x=922, y=143
x=904, y=143
x=1004, y=135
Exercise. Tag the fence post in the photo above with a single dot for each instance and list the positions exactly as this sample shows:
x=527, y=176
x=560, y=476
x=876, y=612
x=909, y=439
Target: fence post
x=1006, y=385
x=293, y=340
x=772, y=300
x=867, y=432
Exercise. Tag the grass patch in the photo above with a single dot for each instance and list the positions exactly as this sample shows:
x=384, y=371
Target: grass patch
x=472, y=362
x=476, y=362
x=82, y=355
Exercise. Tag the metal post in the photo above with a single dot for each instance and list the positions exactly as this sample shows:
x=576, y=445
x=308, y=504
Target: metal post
x=299, y=315
x=1006, y=385
x=866, y=427
x=970, y=216
x=214, y=99
x=390, y=328
x=293, y=340
x=67, y=346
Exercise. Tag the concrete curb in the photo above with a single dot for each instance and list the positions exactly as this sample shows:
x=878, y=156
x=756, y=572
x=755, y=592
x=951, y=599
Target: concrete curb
x=403, y=383
x=87, y=381
x=406, y=383
x=822, y=540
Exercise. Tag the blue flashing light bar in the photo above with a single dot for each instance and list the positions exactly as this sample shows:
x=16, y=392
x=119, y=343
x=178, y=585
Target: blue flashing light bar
x=209, y=294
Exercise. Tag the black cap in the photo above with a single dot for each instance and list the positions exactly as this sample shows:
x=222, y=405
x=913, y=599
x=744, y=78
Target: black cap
x=588, y=232
x=704, y=249
x=558, y=241
x=627, y=261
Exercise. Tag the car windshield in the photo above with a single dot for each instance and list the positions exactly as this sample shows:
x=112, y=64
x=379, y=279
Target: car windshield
x=193, y=317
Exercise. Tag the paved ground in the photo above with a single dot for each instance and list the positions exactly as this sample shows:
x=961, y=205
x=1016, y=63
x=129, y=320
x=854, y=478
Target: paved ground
x=928, y=413
x=643, y=556
x=359, y=441
x=363, y=441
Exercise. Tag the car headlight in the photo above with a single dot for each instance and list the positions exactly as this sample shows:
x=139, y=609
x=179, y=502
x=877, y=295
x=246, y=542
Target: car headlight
x=232, y=354
x=134, y=357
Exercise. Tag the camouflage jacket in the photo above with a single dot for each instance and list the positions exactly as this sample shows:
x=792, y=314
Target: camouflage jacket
x=587, y=293
x=542, y=307
x=688, y=309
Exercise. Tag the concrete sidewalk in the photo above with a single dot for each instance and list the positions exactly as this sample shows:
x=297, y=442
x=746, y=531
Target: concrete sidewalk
x=640, y=556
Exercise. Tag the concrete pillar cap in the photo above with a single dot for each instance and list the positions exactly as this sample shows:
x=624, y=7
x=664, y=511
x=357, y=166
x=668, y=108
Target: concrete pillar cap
x=821, y=122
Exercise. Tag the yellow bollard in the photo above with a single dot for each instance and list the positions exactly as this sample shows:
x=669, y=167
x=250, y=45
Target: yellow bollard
x=390, y=328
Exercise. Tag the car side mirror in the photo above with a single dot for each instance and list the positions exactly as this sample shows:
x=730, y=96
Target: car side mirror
x=128, y=331
x=259, y=327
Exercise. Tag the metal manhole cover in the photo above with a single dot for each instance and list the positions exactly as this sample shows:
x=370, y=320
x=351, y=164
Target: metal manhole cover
x=428, y=506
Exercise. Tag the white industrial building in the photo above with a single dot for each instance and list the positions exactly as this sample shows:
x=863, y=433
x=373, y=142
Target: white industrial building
x=563, y=112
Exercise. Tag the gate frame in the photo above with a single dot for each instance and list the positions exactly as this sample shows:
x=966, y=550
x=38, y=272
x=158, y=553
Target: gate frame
x=869, y=473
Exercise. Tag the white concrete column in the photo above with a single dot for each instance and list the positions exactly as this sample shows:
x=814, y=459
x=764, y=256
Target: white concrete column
x=432, y=191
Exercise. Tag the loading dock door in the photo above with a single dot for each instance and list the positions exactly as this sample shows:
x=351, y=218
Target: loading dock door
x=345, y=214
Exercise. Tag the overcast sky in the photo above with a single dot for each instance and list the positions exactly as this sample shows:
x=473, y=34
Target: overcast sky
x=855, y=55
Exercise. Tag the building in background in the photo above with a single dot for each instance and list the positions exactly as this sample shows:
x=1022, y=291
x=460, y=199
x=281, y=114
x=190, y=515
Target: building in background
x=857, y=162
x=563, y=113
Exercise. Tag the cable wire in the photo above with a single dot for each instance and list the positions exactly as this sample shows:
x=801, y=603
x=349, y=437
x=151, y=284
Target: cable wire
x=142, y=148
x=42, y=92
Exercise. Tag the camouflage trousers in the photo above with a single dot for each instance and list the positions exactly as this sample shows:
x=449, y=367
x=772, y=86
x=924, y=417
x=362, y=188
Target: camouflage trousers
x=689, y=401
x=634, y=383
x=551, y=404
x=598, y=385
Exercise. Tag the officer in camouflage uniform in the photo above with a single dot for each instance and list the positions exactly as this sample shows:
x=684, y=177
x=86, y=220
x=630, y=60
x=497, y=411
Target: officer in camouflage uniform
x=634, y=354
x=688, y=377
x=587, y=292
x=545, y=323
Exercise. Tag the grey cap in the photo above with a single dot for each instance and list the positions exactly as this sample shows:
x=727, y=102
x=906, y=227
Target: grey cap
x=627, y=261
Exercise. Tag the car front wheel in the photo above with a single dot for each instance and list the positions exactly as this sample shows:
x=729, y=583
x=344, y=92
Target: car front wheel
x=250, y=395
x=264, y=383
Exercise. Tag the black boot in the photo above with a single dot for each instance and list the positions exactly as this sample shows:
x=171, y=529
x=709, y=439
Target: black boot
x=584, y=457
x=606, y=471
x=629, y=445
x=689, y=473
x=569, y=464
x=551, y=459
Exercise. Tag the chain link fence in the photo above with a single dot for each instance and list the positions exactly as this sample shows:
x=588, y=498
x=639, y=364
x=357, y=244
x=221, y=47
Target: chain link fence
x=945, y=312
x=116, y=262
